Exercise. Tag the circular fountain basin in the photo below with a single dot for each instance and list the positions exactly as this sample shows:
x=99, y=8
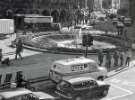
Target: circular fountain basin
x=61, y=43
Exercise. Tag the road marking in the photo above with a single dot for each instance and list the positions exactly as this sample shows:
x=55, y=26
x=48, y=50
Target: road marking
x=122, y=82
x=115, y=80
x=128, y=83
x=120, y=96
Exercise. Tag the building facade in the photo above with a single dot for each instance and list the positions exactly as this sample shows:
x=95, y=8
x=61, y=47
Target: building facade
x=59, y=9
x=132, y=9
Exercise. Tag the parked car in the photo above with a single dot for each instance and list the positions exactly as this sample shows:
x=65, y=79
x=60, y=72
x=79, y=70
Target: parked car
x=82, y=88
x=24, y=94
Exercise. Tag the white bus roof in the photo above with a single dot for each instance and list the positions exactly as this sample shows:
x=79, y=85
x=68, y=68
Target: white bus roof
x=14, y=92
x=73, y=61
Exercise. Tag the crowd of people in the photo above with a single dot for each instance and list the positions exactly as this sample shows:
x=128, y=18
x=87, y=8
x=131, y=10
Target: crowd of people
x=114, y=59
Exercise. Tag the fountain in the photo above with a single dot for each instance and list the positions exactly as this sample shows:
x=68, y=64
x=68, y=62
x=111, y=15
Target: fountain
x=69, y=43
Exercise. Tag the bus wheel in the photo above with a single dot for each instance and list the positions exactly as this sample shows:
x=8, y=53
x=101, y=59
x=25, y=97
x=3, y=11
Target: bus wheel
x=78, y=98
x=101, y=78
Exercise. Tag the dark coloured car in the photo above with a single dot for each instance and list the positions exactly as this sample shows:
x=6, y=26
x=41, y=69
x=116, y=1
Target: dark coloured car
x=82, y=88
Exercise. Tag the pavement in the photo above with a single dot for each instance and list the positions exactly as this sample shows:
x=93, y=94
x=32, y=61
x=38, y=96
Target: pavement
x=122, y=86
x=34, y=58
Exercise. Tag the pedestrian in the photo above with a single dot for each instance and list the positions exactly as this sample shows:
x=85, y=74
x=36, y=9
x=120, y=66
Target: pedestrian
x=121, y=58
x=108, y=60
x=128, y=58
x=116, y=58
x=1, y=56
x=20, y=80
x=100, y=57
x=19, y=49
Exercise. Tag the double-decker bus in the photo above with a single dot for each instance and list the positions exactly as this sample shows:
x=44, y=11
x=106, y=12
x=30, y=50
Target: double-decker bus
x=36, y=23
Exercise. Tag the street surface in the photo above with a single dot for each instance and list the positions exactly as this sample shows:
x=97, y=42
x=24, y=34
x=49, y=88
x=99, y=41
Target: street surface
x=122, y=86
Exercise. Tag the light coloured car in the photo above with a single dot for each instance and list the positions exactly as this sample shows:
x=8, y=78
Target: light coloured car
x=24, y=94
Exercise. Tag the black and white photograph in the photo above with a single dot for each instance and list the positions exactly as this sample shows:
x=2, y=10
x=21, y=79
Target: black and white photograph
x=67, y=50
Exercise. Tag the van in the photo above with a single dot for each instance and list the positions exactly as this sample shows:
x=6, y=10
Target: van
x=76, y=67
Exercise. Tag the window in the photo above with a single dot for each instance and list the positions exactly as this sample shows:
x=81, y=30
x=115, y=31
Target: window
x=85, y=84
x=8, y=78
x=64, y=85
x=93, y=67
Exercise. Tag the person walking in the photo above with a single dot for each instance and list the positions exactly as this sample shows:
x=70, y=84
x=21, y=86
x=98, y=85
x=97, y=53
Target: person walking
x=19, y=49
x=116, y=58
x=100, y=57
x=108, y=60
x=128, y=58
x=121, y=58
x=1, y=56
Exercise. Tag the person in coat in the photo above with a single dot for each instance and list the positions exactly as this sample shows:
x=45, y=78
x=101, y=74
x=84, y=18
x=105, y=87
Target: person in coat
x=19, y=49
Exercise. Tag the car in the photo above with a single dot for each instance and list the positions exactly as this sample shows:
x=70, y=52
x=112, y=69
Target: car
x=24, y=94
x=82, y=88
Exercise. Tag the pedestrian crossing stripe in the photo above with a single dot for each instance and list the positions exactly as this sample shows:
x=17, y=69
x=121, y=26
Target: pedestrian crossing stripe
x=127, y=83
x=115, y=80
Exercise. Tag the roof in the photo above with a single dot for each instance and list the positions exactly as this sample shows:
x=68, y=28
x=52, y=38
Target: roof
x=42, y=95
x=79, y=79
x=14, y=92
x=73, y=61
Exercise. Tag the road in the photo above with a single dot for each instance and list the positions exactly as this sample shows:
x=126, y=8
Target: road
x=122, y=86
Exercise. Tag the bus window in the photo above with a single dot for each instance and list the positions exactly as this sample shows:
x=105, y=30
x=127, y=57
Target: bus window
x=8, y=78
x=85, y=84
x=65, y=85
x=93, y=67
